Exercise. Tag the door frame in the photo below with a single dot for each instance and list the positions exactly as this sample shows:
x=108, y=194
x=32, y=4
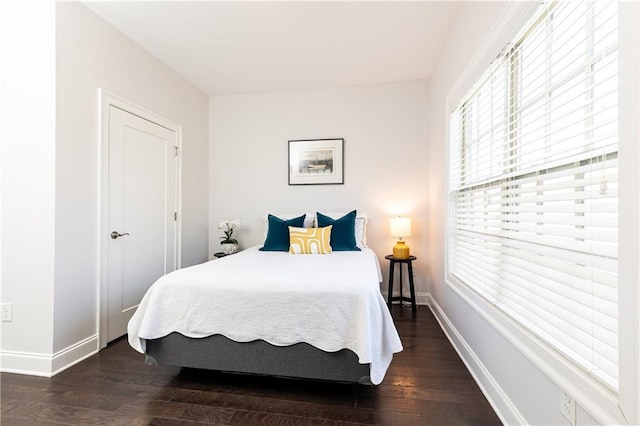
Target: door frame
x=106, y=100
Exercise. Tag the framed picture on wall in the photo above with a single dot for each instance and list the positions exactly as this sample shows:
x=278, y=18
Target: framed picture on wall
x=316, y=162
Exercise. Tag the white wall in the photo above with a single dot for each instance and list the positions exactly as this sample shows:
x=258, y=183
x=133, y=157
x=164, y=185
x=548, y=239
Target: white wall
x=27, y=133
x=89, y=54
x=385, y=173
x=521, y=387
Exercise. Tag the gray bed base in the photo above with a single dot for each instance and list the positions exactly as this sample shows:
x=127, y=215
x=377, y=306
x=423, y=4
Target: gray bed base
x=220, y=353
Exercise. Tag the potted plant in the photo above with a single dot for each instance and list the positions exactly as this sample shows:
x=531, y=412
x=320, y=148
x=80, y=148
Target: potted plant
x=229, y=244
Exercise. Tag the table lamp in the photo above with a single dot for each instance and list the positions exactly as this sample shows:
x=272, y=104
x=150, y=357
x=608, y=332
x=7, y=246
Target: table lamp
x=400, y=227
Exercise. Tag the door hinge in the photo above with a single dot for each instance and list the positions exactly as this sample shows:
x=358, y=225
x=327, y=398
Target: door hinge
x=175, y=216
x=177, y=149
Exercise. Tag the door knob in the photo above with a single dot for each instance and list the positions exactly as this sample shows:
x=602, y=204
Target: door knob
x=116, y=234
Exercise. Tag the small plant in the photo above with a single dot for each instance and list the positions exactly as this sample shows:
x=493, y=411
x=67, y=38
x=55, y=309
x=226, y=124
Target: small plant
x=228, y=226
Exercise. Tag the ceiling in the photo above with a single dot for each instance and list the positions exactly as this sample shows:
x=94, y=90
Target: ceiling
x=243, y=47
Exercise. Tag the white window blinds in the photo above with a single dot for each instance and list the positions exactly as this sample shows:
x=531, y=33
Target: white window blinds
x=533, y=221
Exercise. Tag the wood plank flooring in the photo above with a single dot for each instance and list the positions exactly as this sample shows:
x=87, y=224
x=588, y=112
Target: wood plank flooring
x=426, y=384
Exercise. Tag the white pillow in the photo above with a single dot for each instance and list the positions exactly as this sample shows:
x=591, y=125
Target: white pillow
x=360, y=228
x=309, y=219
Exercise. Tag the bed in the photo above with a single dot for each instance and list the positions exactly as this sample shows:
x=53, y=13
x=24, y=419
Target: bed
x=305, y=316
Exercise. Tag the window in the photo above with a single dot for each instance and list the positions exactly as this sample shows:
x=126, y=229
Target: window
x=533, y=224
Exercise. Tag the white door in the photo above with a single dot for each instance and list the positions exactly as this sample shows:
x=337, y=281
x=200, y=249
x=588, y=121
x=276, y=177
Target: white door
x=142, y=208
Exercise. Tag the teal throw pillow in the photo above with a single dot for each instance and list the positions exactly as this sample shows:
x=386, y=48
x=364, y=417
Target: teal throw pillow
x=278, y=232
x=343, y=232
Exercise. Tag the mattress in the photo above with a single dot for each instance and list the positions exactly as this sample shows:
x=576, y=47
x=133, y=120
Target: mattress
x=331, y=302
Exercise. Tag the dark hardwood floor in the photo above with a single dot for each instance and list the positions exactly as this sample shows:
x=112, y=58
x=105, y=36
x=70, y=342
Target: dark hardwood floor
x=426, y=384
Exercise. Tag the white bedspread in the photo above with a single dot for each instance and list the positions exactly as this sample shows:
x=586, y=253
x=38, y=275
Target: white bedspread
x=331, y=301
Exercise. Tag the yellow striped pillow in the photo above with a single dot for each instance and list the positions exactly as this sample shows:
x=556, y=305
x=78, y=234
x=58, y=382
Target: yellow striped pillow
x=309, y=240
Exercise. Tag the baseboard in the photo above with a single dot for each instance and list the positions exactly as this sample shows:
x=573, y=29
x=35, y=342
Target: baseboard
x=421, y=298
x=502, y=405
x=32, y=364
x=74, y=354
x=45, y=365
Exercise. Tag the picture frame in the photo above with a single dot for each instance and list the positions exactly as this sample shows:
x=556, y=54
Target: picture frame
x=316, y=161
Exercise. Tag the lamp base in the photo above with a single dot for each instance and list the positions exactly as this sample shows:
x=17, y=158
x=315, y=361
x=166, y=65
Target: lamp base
x=401, y=250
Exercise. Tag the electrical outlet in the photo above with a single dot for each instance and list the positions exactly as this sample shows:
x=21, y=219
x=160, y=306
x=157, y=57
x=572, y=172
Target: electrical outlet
x=568, y=407
x=5, y=312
